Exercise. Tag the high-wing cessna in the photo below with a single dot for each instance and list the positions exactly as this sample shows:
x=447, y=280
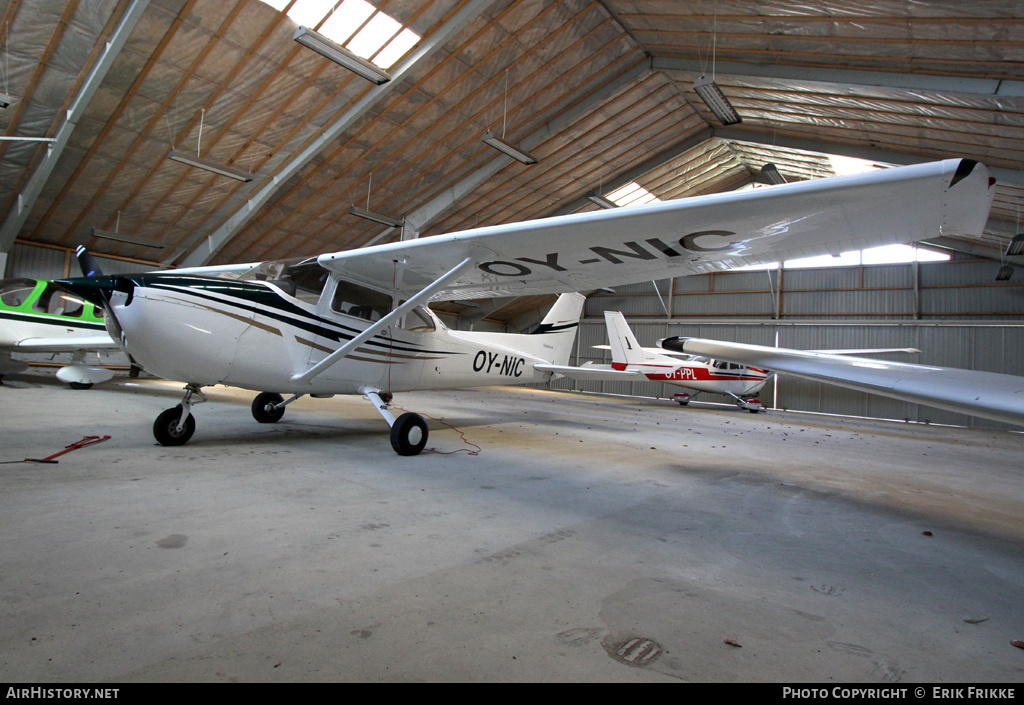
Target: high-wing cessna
x=36, y=316
x=987, y=394
x=631, y=362
x=357, y=322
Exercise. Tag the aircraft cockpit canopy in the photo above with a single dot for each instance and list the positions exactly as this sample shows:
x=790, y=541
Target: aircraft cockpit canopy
x=51, y=299
x=302, y=277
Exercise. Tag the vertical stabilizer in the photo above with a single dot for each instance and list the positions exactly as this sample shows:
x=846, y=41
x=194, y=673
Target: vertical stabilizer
x=625, y=348
x=558, y=329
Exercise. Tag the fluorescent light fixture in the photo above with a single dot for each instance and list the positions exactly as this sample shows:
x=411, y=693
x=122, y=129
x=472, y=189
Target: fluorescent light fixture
x=340, y=55
x=107, y=235
x=1016, y=246
x=772, y=173
x=5, y=100
x=711, y=94
x=1004, y=273
x=600, y=200
x=376, y=217
x=209, y=165
x=509, y=149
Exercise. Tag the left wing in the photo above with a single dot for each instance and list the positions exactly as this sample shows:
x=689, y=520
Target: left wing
x=584, y=251
x=988, y=394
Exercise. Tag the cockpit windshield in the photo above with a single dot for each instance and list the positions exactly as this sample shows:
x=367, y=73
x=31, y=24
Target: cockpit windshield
x=302, y=278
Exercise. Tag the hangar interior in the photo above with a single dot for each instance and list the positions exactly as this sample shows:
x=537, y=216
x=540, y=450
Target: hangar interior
x=180, y=133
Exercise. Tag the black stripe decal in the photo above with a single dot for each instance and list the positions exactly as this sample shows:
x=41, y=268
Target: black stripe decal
x=286, y=312
x=50, y=321
x=544, y=328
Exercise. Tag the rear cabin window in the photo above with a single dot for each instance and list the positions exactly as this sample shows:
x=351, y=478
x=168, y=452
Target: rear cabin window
x=360, y=301
x=418, y=320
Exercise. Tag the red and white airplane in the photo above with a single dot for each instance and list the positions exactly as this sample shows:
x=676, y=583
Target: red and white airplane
x=695, y=373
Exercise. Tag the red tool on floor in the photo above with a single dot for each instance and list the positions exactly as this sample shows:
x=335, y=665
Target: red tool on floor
x=87, y=441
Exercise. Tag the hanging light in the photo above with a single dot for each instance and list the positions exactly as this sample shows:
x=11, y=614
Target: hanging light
x=712, y=95
x=208, y=165
x=340, y=55
x=376, y=217
x=508, y=148
x=772, y=173
x=1016, y=246
x=600, y=200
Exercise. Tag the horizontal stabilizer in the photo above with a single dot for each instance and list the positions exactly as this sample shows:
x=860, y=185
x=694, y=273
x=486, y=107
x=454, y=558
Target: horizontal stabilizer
x=593, y=372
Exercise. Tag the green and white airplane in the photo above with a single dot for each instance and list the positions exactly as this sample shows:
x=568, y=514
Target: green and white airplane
x=38, y=317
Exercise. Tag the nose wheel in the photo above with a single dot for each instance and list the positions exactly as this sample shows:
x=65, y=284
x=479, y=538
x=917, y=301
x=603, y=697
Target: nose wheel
x=169, y=430
x=175, y=426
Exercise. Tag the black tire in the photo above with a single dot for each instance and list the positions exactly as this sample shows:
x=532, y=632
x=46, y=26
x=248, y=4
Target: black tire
x=682, y=403
x=80, y=385
x=753, y=411
x=409, y=434
x=261, y=413
x=166, y=425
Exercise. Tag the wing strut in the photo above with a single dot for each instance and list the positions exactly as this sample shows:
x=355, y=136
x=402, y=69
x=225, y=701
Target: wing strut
x=419, y=299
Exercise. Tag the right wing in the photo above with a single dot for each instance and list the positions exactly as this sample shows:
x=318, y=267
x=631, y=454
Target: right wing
x=585, y=251
x=988, y=394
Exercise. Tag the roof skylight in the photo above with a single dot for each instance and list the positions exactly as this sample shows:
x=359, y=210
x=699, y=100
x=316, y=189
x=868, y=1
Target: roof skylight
x=356, y=25
x=632, y=194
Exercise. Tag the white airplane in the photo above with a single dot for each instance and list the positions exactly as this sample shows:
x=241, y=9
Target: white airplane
x=36, y=316
x=987, y=394
x=632, y=362
x=357, y=322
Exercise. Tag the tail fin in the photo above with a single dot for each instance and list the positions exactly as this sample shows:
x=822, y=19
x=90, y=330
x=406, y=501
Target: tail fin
x=558, y=329
x=626, y=349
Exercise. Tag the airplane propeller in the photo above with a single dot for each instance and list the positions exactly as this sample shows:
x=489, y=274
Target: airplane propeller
x=97, y=288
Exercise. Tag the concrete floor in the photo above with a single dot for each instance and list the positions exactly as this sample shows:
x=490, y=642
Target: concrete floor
x=590, y=539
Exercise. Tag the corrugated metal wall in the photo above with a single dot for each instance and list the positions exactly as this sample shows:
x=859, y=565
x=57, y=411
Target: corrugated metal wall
x=953, y=311
x=53, y=263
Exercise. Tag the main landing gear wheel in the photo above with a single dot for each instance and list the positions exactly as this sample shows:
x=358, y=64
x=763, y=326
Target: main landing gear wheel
x=263, y=407
x=165, y=428
x=409, y=434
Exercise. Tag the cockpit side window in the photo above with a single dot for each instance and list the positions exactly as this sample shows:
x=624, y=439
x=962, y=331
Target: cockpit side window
x=360, y=301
